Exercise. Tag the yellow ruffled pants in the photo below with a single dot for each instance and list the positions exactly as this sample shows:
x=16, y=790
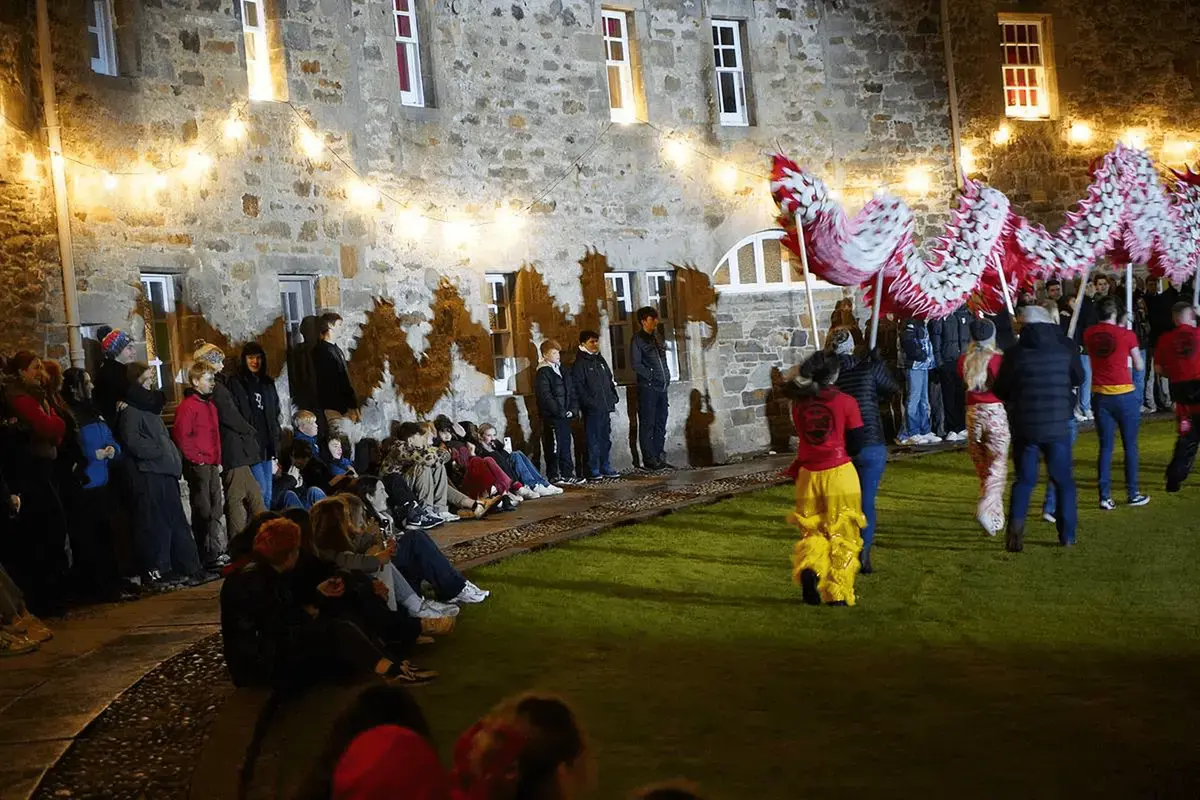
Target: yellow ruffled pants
x=830, y=518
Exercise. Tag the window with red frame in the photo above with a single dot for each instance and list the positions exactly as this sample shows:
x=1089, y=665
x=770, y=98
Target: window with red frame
x=408, y=53
x=1026, y=89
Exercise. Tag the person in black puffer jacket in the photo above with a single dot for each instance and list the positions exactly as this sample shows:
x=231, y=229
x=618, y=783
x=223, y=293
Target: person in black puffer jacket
x=950, y=339
x=866, y=380
x=597, y=393
x=557, y=406
x=1036, y=381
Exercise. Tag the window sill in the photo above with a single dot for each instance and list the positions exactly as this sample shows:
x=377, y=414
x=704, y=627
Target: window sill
x=782, y=288
x=421, y=113
x=118, y=83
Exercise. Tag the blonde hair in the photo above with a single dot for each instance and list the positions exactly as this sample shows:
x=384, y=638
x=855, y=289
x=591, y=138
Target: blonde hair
x=975, y=365
x=549, y=345
x=303, y=416
x=198, y=370
x=427, y=428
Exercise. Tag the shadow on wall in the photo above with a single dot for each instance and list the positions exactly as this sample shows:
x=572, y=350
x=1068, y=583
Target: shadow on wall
x=779, y=414
x=698, y=430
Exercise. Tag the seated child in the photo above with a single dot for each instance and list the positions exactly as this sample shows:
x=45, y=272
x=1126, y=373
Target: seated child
x=288, y=490
x=424, y=468
x=339, y=464
x=304, y=429
x=313, y=471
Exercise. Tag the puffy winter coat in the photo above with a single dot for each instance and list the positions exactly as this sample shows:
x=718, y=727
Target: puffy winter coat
x=648, y=358
x=1036, y=381
x=555, y=395
x=592, y=381
x=916, y=349
x=334, y=391
x=950, y=337
x=258, y=401
x=147, y=441
x=239, y=439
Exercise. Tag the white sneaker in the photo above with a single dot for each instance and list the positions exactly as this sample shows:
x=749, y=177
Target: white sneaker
x=1091, y=416
x=447, y=516
x=933, y=438
x=961, y=436
x=542, y=491
x=514, y=499
x=470, y=595
x=1080, y=416
x=906, y=441
x=552, y=489
x=527, y=494
x=432, y=609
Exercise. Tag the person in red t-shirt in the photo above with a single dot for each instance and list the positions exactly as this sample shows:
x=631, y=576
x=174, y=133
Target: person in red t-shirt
x=1112, y=349
x=828, y=495
x=1177, y=356
x=988, y=436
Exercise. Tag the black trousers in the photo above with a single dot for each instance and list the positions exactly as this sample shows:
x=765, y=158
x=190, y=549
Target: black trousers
x=37, y=557
x=162, y=537
x=91, y=513
x=954, y=400
x=556, y=447
x=1184, y=457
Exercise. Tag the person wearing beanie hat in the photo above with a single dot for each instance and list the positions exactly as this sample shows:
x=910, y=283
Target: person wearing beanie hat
x=240, y=448
x=112, y=384
x=988, y=436
x=867, y=380
x=270, y=639
x=828, y=495
x=389, y=762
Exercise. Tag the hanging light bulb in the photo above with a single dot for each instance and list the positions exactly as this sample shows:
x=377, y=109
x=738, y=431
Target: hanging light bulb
x=363, y=194
x=917, y=180
x=727, y=176
x=677, y=152
x=29, y=167
x=197, y=165
x=1002, y=135
x=158, y=181
x=235, y=129
x=110, y=181
x=310, y=143
x=509, y=221
x=1080, y=133
x=966, y=158
x=1135, y=138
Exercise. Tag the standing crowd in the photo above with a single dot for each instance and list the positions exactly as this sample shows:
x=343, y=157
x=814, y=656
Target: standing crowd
x=1007, y=387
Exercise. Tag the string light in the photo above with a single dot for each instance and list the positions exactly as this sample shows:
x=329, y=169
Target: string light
x=1178, y=150
x=966, y=159
x=29, y=167
x=1080, y=133
x=677, y=152
x=363, y=194
x=310, y=143
x=235, y=129
x=110, y=181
x=727, y=176
x=509, y=221
x=158, y=181
x=1002, y=135
x=918, y=180
x=1135, y=138
x=197, y=165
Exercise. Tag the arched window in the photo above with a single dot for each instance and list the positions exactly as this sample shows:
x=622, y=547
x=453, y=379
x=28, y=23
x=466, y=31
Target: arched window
x=760, y=263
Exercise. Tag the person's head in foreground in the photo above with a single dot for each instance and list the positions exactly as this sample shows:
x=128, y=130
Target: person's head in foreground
x=672, y=790
x=528, y=748
x=818, y=371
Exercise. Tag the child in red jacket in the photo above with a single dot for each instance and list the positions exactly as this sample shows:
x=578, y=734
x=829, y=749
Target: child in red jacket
x=197, y=433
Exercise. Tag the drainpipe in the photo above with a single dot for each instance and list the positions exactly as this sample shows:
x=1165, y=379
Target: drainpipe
x=58, y=172
x=955, y=125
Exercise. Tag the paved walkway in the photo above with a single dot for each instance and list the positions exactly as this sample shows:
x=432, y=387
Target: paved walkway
x=48, y=698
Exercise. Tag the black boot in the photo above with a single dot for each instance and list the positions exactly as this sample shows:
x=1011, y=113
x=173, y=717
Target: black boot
x=1015, y=541
x=864, y=560
x=808, y=588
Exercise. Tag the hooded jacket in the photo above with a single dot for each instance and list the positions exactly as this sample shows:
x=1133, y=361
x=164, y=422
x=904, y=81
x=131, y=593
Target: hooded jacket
x=555, y=395
x=197, y=429
x=147, y=441
x=1036, y=381
x=258, y=401
x=113, y=386
x=592, y=381
x=239, y=439
x=950, y=337
x=916, y=349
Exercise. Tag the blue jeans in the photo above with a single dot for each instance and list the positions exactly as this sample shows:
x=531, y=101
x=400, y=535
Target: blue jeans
x=597, y=426
x=418, y=558
x=1050, y=504
x=652, y=423
x=1085, y=389
x=1113, y=412
x=916, y=403
x=526, y=471
x=1057, y=454
x=311, y=496
x=262, y=473
x=1139, y=380
x=870, y=463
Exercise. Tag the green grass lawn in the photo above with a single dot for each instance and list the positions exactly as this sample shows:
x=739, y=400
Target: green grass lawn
x=963, y=670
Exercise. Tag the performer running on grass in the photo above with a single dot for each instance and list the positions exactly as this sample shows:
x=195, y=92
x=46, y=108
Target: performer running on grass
x=1177, y=356
x=828, y=497
x=988, y=436
x=1115, y=403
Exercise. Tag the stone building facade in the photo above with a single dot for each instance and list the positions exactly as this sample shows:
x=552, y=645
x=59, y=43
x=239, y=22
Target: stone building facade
x=510, y=172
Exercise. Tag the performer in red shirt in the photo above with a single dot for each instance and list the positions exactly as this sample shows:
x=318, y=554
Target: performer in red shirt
x=1112, y=349
x=988, y=436
x=828, y=495
x=1177, y=356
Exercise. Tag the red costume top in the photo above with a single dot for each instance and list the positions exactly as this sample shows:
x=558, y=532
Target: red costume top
x=821, y=423
x=986, y=396
x=1109, y=347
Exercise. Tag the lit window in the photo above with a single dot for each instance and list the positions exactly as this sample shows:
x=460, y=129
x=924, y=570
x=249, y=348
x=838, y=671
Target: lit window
x=258, y=57
x=621, y=100
x=731, y=73
x=1024, y=55
x=102, y=47
x=660, y=295
x=159, y=320
x=620, y=323
x=408, y=54
x=500, y=323
x=296, y=297
x=760, y=263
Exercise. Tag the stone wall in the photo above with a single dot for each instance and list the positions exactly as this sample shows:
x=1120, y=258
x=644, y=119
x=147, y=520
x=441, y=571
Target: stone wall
x=1119, y=64
x=30, y=278
x=855, y=89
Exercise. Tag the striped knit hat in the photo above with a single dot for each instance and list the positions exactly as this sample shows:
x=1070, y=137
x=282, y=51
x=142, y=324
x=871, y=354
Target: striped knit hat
x=209, y=353
x=114, y=342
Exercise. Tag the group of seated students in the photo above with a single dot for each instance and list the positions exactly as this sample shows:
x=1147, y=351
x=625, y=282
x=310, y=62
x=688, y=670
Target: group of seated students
x=529, y=747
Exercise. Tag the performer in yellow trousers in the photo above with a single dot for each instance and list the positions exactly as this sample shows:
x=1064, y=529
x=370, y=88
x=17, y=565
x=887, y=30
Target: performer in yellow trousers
x=828, y=496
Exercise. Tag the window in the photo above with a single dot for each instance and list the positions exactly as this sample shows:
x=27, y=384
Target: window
x=500, y=322
x=731, y=73
x=408, y=53
x=760, y=263
x=258, y=54
x=660, y=294
x=1025, y=57
x=102, y=47
x=621, y=100
x=296, y=297
x=159, y=319
x=620, y=323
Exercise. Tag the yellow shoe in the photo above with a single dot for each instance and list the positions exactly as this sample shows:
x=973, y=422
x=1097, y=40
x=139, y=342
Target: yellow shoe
x=34, y=628
x=437, y=626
